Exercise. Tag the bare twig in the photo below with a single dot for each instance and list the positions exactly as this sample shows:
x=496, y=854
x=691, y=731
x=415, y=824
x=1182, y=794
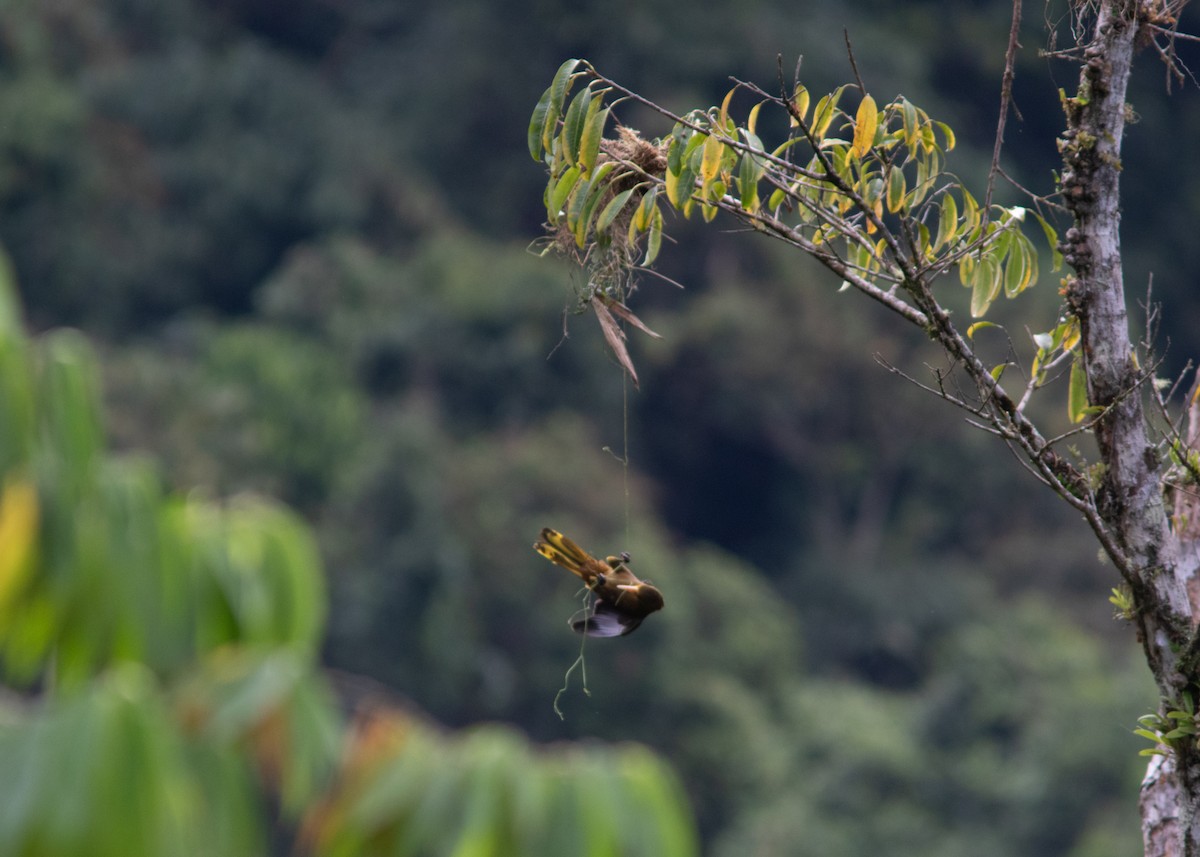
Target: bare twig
x=1037, y=199
x=853, y=65
x=641, y=269
x=1010, y=59
x=939, y=391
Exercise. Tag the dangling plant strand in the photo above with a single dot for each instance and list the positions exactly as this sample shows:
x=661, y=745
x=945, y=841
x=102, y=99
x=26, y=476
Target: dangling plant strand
x=579, y=661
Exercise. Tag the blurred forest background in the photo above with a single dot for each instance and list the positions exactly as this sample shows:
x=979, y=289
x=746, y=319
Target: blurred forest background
x=296, y=231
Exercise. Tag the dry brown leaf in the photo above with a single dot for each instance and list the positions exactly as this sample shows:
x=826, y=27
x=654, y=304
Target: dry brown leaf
x=614, y=336
x=625, y=313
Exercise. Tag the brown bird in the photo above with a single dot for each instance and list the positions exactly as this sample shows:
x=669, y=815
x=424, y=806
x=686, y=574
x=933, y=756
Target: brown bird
x=622, y=601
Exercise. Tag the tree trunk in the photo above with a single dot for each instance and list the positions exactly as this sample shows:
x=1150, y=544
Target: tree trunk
x=1151, y=557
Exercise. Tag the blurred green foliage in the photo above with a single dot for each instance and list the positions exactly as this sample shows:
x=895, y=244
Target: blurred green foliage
x=297, y=241
x=162, y=653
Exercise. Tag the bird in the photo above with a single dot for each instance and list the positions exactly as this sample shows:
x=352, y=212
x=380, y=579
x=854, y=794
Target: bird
x=622, y=600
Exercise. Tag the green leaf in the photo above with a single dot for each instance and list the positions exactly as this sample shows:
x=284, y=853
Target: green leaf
x=779, y=150
x=678, y=148
x=979, y=325
x=1056, y=256
x=924, y=241
x=985, y=285
x=545, y=115
x=895, y=190
x=572, y=131
x=748, y=185
x=10, y=314
x=73, y=402
x=1016, y=270
x=560, y=191
x=537, y=124
x=922, y=186
x=681, y=187
x=18, y=422
x=558, y=92
x=593, y=131
x=655, y=241
x=947, y=221
x=928, y=140
x=1077, y=400
x=590, y=199
x=824, y=112
x=610, y=211
x=750, y=170
x=971, y=216
x=966, y=269
x=908, y=118
x=948, y=133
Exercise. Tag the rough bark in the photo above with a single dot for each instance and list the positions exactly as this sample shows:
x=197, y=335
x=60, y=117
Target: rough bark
x=1130, y=495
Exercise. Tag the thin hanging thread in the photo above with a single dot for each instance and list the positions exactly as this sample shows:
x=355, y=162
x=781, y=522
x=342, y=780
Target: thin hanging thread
x=625, y=449
x=588, y=595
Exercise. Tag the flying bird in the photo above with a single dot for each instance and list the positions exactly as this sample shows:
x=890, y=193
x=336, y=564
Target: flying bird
x=622, y=600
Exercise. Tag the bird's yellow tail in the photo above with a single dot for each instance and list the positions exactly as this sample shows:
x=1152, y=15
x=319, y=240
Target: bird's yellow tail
x=560, y=550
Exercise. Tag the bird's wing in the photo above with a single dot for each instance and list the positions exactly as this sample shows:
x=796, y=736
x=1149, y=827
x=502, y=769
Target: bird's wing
x=606, y=621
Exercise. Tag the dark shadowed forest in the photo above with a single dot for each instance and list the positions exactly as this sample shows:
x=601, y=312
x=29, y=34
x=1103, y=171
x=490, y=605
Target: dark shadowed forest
x=296, y=236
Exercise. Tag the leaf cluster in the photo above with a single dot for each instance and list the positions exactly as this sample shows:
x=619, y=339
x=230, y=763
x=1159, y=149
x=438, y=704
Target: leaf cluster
x=864, y=191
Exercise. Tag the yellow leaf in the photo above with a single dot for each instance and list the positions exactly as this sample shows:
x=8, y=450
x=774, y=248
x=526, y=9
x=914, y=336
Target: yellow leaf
x=18, y=535
x=1071, y=334
x=710, y=162
x=800, y=103
x=673, y=185
x=752, y=122
x=865, y=123
x=645, y=210
x=724, y=117
x=1077, y=400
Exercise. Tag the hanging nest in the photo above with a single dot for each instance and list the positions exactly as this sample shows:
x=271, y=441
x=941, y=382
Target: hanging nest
x=608, y=259
x=640, y=160
x=631, y=148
